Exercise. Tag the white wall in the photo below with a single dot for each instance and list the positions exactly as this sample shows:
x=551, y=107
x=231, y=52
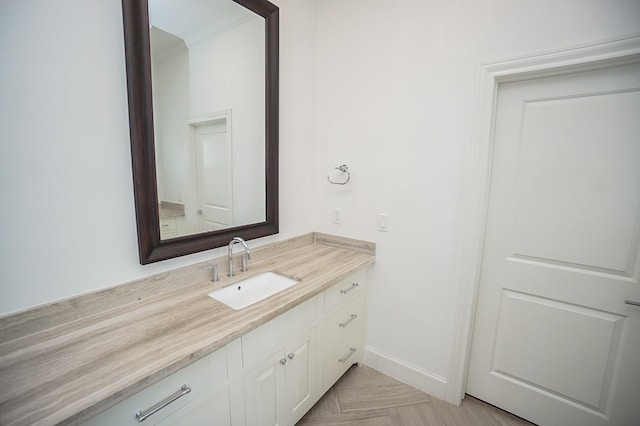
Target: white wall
x=171, y=112
x=396, y=85
x=66, y=193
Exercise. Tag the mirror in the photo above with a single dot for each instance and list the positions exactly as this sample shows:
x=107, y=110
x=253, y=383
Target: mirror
x=203, y=113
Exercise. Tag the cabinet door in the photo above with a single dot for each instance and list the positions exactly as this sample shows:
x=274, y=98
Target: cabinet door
x=300, y=374
x=264, y=391
x=210, y=409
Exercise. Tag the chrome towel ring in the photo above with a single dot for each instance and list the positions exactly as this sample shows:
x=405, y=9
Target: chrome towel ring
x=344, y=169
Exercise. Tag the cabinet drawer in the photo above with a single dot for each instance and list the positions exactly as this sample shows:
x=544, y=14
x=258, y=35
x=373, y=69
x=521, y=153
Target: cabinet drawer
x=344, y=290
x=168, y=228
x=212, y=408
x=347, y=321
x=264, y=338
x=338, y=360
x=168, y=225
x=200, y=377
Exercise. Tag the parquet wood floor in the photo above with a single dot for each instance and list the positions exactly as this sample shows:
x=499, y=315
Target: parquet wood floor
x=366, y=397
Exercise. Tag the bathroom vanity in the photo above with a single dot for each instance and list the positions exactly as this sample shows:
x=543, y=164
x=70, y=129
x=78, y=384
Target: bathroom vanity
x=118, y=355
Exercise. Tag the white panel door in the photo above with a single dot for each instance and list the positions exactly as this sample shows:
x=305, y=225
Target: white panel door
x=554, y=341
x=214, y=176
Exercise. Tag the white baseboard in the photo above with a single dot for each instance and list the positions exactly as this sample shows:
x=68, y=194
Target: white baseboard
x=406, y=373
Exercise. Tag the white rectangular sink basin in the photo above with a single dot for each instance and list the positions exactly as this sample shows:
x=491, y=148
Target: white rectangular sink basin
x=252, y=290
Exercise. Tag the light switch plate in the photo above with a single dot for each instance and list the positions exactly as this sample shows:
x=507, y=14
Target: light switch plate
x=384, y=221
x=337, y=215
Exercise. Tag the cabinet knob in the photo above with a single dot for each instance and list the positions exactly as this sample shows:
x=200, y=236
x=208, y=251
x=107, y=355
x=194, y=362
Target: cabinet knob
x=291, y=355
x=283, y=361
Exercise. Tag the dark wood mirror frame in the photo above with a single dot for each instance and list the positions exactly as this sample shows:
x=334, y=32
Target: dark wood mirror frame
x=138, y=59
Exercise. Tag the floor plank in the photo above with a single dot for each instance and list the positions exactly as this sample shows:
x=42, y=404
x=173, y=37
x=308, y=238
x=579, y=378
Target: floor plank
x=416, y=415
x=361, y=418
x=366, y=397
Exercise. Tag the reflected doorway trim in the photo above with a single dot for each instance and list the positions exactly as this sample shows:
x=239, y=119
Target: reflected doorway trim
x=192, y=163
x=476, y=192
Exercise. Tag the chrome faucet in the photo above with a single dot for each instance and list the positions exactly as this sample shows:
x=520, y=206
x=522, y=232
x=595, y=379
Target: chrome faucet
x=245, y=256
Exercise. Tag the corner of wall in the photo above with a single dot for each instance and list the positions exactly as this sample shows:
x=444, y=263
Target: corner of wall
x=411, y=375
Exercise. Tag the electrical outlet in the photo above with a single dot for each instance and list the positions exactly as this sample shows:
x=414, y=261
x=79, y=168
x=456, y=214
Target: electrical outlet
x=337, y=215
x=384, y=220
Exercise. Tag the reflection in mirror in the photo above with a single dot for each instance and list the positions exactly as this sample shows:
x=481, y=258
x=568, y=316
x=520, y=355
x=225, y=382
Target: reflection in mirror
x=204, y=128
x=207, y=62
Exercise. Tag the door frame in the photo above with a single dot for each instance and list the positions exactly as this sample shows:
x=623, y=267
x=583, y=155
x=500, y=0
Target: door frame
x=476, y=191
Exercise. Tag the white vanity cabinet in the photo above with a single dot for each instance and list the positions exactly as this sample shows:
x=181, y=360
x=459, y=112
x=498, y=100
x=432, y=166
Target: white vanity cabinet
x=279, y=375
x=280, y=389
x=285, y=376
x=205, y=403
x=343, y=328
x=168, y=227
x=270, y=376
x=172, y=227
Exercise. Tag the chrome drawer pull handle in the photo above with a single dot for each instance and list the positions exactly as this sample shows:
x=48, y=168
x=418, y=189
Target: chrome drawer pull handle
x=354, y=285
x=344, y=324
x=142, y=415
x=351, y=352
x=631, y=302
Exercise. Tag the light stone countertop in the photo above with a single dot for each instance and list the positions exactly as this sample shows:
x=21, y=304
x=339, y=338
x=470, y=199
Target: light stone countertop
x=67, y=361
x=168, y=210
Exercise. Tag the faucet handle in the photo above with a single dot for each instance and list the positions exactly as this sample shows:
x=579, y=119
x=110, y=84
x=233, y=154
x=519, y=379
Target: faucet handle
x=245, y=256
x=214, y=273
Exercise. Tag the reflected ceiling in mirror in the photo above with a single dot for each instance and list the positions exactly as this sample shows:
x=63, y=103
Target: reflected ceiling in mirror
x=202, y=78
